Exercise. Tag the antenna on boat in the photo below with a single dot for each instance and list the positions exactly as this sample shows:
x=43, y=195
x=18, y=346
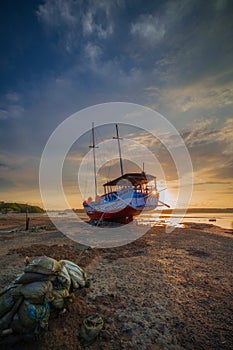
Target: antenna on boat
x=94, y=147
x=119, y=148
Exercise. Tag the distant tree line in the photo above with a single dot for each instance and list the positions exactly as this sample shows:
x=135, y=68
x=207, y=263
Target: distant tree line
x=19, y=208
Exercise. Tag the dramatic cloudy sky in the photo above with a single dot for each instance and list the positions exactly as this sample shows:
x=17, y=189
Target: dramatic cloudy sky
x=58, y=57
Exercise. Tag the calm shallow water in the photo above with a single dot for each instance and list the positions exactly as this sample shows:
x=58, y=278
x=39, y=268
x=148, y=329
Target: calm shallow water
x=224, y=220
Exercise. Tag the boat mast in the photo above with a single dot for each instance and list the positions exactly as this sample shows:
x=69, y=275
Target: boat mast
x=119, y=148
x=94, y=147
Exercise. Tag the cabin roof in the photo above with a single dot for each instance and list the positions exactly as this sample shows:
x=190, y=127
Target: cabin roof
x=134, y=178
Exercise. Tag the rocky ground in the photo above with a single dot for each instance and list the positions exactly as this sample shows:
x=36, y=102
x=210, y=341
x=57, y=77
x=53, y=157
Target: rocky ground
x=163, y=291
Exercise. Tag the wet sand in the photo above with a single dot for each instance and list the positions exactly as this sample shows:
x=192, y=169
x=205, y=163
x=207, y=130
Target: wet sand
x=163, y=291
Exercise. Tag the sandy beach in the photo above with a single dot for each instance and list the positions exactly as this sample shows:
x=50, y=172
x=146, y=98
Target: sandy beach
x=163, y=291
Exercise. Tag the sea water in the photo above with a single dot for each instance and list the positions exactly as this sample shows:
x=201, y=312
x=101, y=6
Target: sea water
x=224, y=220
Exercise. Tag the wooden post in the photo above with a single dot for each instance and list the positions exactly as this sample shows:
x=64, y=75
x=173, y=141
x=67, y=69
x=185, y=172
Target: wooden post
x=27, y=220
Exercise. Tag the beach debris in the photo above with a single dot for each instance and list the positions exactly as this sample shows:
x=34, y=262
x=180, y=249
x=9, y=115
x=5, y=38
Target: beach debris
x=45, y=284
x=90, y=329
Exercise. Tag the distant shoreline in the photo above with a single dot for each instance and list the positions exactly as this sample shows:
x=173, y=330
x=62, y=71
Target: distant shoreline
x=161, y=211
x=179, y=210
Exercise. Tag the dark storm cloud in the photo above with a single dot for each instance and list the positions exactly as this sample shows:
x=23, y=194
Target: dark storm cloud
x=199, y=45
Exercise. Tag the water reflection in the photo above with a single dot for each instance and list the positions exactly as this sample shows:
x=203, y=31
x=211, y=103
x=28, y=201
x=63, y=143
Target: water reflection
x=224, y=220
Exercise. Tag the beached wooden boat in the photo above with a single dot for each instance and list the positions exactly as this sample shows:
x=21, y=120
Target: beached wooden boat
x=124, y=197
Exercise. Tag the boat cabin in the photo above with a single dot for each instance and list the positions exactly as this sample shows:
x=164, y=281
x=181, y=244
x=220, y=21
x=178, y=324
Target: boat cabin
x=136, y=182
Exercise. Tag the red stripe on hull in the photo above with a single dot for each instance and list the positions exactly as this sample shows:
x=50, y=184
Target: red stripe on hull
x=116, y=215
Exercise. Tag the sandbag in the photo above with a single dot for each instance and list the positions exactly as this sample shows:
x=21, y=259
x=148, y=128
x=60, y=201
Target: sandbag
x=90, y=329
x=38, y=292
x=29, y=317
x=43, y=265
x=59, y=298
x=62, y=280
x=29, y=277
x=25, y=303
x=7, y=301
x=6, y=320
x=12, y=286
x=23, y=325
x=77, y=274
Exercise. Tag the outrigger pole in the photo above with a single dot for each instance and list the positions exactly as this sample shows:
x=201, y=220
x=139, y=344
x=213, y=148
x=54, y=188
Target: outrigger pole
x=119, y=148
x=94, y=147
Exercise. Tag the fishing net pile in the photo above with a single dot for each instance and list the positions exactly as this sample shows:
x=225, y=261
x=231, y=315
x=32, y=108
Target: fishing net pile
x=26, y=303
